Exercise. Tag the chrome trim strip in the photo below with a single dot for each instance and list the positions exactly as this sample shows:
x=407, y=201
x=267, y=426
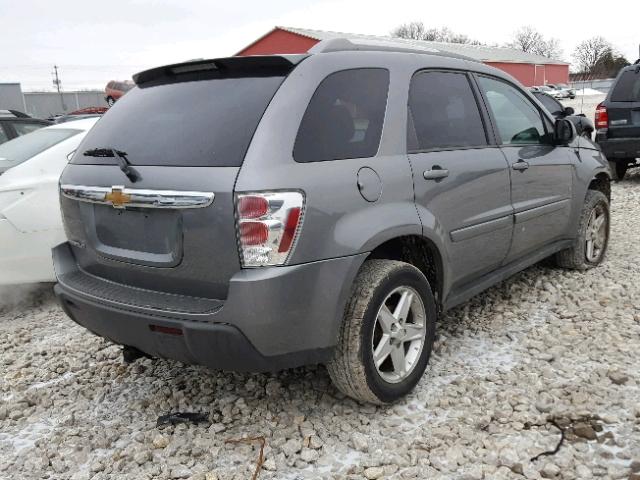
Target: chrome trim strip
x=140, y=198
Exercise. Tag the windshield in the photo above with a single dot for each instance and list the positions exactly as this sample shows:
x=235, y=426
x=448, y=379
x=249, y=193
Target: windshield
x=194, y=123
x=21, y=149
x=627, y=88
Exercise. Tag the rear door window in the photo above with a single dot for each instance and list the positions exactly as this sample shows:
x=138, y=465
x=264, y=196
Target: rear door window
x=344, y=117
x=627, y=88
x=191, y=123
x=443, y=113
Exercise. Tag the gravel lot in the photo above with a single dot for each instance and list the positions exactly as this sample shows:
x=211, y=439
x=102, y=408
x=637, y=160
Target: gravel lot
x=547, y=345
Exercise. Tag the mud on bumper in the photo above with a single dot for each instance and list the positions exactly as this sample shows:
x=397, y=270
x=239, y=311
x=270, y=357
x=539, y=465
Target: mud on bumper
x=272, y=318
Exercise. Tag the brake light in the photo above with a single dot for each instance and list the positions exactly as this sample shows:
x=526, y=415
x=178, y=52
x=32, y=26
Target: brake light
x=602, y=117
x=252, y=206
x=268, y=226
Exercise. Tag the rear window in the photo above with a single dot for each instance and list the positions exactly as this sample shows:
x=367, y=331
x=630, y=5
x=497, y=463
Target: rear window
x=196, y=123
x=627, y=88
x=344, y=117
x=21, y=149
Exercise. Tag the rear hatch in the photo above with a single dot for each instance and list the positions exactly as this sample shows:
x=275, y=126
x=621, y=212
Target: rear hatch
x=623, y=105
x=181, y=134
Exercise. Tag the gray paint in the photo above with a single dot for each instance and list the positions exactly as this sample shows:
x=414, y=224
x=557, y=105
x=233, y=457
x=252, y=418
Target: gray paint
x=11, y=97
x=486, y=219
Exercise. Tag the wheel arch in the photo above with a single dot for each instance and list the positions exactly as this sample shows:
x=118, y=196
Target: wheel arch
x=419, y=251
x=601, y=182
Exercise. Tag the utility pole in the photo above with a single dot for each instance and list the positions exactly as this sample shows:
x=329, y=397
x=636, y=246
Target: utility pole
x=58, y=83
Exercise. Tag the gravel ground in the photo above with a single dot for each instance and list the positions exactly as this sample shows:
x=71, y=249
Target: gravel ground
x=545, y=346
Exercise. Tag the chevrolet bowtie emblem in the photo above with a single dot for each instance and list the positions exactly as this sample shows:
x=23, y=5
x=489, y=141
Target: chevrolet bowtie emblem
x=117, y=197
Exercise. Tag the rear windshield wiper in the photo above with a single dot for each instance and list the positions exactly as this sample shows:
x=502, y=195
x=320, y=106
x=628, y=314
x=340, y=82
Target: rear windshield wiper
x=124, y=164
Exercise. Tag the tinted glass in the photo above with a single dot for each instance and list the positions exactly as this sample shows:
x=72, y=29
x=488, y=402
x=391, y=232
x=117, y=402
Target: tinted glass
x=196, y=123
x=3, y=136
x=627, y=88
x=443, y=112
x=22, y=128
x=517, y=119
x=21, y=149
x=344, y=117
x=549, y=103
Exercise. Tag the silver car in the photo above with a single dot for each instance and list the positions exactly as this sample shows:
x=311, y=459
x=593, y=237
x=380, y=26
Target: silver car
x=260, y=213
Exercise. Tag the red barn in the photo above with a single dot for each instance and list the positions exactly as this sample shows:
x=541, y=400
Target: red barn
x=528, y=68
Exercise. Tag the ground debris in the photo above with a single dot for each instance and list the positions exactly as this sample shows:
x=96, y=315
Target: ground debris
x=249, y=441
x=181, y=417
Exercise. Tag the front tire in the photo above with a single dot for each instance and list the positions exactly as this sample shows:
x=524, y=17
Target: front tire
x=592, y=240
x=387, y=333
x=110, y=101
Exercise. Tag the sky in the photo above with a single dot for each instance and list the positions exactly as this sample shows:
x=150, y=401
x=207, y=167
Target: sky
x=93, y=42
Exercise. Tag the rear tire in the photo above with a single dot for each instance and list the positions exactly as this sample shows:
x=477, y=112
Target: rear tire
x=378, y=334
x=618, y=169
x=590, y=245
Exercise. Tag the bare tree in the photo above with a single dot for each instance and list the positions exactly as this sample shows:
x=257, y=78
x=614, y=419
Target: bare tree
x=590, y=53
x=411, y=30
x=529, y=40
x=417, y=31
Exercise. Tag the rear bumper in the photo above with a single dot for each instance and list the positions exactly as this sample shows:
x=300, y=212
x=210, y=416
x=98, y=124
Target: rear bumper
x=272, y=318
x=619, y=148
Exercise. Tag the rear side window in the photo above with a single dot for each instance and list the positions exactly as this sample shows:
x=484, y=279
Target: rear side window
x=344, y=117
x=22, y=128
x=443, y=113
x=627, y=88
x=192, y=123
x=21, y=149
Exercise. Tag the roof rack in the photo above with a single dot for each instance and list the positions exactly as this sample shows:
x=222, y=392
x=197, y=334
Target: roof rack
x=367, y=45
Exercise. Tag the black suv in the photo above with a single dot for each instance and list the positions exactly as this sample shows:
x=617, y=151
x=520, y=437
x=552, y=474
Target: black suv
x=618, y=122
x=14, y=123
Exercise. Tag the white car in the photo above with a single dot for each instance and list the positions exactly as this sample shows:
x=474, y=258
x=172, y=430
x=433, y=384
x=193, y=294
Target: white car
x=550, y=91
x=30, y=221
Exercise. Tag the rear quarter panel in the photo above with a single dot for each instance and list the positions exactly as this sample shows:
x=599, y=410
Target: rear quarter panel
x=338, y=221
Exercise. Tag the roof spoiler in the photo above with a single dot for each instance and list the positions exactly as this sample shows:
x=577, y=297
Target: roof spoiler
x=368, y=45
x=229, y=64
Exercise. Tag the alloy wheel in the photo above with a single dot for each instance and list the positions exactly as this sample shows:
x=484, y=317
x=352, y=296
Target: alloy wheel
x=596, y=236
x=399, y=334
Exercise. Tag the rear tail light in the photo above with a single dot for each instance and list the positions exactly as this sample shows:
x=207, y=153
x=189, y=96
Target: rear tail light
x=602, y=117
x=268, y=226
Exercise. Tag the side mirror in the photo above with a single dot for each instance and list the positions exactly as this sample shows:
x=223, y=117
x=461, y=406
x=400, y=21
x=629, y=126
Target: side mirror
x=569, y=111
x=564, y=132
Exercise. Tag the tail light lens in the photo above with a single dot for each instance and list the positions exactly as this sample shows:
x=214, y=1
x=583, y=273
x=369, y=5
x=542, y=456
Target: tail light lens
x=268, y=226
x=602, y=117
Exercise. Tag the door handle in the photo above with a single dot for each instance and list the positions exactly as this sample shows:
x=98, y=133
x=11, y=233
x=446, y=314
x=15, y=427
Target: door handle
x=435, y=173
x=520, y=165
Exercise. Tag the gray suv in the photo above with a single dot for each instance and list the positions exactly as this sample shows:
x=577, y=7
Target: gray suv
x=260, y=213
